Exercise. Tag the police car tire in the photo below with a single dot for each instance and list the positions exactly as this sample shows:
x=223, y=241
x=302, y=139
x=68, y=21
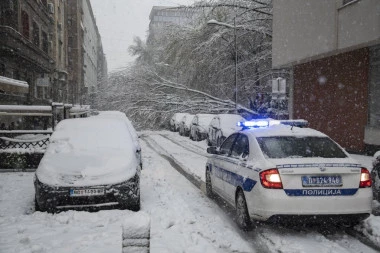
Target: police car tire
x=242, y=215
x=209, y=191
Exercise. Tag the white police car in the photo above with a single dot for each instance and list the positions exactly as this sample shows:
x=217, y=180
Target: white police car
x=275, y=172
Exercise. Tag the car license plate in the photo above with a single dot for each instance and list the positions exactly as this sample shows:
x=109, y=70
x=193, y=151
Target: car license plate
x=321, y=181
x=86, y=192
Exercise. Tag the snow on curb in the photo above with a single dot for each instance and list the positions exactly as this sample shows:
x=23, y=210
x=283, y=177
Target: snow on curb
x=136, y=233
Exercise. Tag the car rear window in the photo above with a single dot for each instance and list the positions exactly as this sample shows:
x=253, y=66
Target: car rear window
x=297, y=147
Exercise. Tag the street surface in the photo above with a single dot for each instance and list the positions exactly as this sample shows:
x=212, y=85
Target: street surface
x=183, y=219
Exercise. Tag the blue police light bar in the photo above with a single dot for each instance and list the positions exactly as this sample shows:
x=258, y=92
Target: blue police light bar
x=271, y=122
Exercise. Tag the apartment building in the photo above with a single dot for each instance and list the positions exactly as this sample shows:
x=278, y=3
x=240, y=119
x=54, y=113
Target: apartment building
x=50, y=51
x=26, y=60
x=333, y=48
x=162, y=16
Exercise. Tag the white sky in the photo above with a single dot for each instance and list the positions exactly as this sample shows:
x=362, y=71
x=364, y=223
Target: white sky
x=119, y=21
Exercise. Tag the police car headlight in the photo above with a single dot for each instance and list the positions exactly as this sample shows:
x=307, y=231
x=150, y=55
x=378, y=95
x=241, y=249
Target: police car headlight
x=271, y=179
x=365, y=179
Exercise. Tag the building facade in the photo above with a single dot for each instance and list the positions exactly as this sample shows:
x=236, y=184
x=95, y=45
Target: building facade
x=333, y=48
x=59, y=77
x=26, y=49
x=48, y=52
x=162, y=16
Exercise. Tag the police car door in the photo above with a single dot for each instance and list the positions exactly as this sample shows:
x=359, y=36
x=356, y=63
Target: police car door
x=222, y=163
x=237, y=167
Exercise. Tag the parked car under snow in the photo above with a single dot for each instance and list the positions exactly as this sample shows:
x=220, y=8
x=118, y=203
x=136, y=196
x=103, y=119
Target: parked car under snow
x=175, y=120
x=89, y=163
x=222, y=126
x=199, y=126
x=184, y=124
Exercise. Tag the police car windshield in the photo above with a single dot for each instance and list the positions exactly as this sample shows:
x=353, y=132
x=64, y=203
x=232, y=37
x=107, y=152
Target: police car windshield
x=296, y=147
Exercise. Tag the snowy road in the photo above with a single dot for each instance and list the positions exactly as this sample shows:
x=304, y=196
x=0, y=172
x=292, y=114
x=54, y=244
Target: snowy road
x=183, y=219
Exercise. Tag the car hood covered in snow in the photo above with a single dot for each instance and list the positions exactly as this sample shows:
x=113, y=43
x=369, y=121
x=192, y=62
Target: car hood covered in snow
x=85, y=169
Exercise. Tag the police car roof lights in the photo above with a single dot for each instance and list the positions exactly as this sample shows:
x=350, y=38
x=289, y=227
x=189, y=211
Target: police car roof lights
x=263, y=123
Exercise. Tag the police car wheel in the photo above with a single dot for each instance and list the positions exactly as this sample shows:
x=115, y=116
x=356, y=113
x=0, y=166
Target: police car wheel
x=242, y=216
x=209, y=192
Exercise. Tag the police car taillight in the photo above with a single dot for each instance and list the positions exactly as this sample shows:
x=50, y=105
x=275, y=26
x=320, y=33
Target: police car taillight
x=365, y=179
x=271, y=179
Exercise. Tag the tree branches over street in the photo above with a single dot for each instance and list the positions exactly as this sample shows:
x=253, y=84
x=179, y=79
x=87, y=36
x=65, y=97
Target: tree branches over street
x=189, y=66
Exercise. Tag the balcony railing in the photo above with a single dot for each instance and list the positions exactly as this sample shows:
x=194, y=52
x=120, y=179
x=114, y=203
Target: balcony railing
x=14, y=43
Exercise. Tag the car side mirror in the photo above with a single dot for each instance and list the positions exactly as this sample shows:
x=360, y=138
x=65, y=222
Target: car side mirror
x=243, y=156
x=212, y=150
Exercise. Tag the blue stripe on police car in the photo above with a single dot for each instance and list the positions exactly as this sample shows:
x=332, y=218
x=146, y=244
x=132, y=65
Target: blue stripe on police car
x=234, y=179
x=321, y=192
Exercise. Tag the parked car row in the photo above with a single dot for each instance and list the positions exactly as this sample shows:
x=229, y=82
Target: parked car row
x=214, y=128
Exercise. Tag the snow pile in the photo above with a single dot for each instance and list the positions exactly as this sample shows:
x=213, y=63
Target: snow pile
x=136, y=233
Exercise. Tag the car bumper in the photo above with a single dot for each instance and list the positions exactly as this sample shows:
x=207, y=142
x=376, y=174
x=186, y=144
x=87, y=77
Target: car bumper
x=52, y=198
x=274, y=204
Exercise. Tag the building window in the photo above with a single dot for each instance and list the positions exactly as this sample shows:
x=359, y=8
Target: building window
x=36, y=34
x=25, y=24
x=45, y=45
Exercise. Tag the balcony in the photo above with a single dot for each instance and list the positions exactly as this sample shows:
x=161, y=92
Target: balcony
x=14, y=45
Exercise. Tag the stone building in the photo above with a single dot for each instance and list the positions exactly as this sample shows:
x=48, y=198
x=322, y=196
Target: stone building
x=26, y=51
x=59, y=43
x=83, y=50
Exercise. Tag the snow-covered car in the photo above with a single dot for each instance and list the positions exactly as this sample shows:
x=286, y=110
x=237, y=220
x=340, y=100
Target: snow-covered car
x=184, y=124
x=280, y=173
x=175, y=120
x=199, y=126
x=375, y=174
x=89, y=163
x=131, y=129
x=222, y=126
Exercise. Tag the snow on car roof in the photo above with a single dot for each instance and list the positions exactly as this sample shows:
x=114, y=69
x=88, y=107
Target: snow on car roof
x=230, y=117
x=283, y=130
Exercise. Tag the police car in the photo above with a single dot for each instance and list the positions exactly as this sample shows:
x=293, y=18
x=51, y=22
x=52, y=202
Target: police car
x=279, y=172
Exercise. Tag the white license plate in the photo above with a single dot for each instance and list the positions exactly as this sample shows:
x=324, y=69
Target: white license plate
x=86, y=192
x=321, y=181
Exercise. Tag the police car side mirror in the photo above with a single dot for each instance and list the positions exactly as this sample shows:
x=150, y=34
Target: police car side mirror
x=243, y=156
x=212, y=150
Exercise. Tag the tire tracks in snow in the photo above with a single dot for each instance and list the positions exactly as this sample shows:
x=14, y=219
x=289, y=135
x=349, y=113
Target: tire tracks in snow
x=195, y=149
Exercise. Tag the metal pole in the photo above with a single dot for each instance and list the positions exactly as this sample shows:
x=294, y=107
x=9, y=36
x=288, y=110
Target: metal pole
x=236, y=61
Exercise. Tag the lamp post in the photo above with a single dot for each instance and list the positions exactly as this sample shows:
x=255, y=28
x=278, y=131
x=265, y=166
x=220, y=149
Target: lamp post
x=214, y=22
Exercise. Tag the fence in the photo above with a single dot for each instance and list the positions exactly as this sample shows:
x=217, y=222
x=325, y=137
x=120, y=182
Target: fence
x=22, y=149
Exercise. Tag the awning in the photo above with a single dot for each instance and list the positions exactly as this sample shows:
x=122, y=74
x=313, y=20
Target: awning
x=13, y=86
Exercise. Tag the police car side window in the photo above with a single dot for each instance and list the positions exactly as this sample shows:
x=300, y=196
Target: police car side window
x=240, y=147
x=225, y=149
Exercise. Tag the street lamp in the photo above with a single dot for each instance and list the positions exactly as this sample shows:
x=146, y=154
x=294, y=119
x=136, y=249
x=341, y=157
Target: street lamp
x=214, y=22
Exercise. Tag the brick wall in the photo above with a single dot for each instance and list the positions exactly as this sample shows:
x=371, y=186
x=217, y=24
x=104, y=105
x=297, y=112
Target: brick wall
x=332, y=94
